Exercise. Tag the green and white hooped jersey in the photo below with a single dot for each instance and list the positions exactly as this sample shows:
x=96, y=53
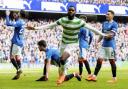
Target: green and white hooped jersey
x=71, y=29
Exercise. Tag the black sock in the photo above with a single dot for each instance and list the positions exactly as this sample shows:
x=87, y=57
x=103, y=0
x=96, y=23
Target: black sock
x=97, y=69
x=19, y=63
x=68, y=77
x=44, y=73
x=80, y=68
x=13, y=61
x=113, y=66
x=62, y=62
x=87, y=66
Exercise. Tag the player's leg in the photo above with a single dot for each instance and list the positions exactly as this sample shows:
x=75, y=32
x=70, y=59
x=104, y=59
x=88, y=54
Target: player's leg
x=96, y=71
x=12, y=58
x=80, y=66
x=70, y=76
x=87, y=66
x=65, y=54
x=113, y=68
x=101, y=56
x=111, y=56
x=63, y=59
x=80, y=60
x=66, y=51
x=18, y=60
x=85, y=61
x=19, y=71
x=17, y=52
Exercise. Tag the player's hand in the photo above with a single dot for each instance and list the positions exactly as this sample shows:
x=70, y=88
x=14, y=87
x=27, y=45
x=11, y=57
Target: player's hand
x=7, y=12
x=30, y=27
x=109, y=36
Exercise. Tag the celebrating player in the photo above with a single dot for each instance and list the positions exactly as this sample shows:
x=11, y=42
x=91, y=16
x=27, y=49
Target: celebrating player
x=71, y=27
x=17, y=40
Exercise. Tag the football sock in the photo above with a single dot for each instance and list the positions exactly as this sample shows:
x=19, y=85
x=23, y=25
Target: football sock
x=87, y=66
x=97, y=69
x=62, y=62
x=113, y=66
x=19, y=63
x=68, y=77
x=13, y=61
x=80, y=68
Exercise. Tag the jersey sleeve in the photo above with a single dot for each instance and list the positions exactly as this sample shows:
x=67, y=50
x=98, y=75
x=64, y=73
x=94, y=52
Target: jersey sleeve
x=10, y=23
x=48, y=26
x=90, y=37
x=48, y=56
x=58, y=21
x=114, y=28
x=94, y=30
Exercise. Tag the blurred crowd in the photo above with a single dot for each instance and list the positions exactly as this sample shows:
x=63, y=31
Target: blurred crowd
x=112, y=2
x=31, y=54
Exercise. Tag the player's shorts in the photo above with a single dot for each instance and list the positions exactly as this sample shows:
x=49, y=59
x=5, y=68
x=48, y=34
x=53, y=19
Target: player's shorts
x=106, y=53
x=83, y=53
x=15, y=50
x=69, y=48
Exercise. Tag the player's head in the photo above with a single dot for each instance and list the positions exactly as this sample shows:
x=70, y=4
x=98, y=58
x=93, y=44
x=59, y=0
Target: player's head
x=83, y=17
x=42, y=45
x=71, y=12
x=110, y=15
x=17, y=14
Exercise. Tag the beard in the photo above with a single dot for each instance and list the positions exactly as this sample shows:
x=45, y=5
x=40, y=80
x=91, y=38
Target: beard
x=71, y=16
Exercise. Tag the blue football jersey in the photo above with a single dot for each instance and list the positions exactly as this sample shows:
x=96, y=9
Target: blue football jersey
x=106, y=28
x=52, y=54
x=18, y=37
x=85, y=37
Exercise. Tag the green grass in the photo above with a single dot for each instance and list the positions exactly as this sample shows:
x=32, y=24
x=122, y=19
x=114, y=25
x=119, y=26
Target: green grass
x=27, y=80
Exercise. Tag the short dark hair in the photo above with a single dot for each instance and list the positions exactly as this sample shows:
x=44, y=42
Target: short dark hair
x=71, y=7
x=42, y=43
x=83, y=17
x=111, y=11
x=22, y=13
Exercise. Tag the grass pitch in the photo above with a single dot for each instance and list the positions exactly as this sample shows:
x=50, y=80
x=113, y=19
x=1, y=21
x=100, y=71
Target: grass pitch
x=27, y=80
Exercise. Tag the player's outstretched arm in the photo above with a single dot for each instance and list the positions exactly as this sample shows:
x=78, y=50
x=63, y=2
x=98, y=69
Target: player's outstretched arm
x=99, y=39
x=51, y=25
x=94, y=30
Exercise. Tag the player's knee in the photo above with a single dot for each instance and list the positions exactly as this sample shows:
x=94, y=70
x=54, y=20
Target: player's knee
x=99, y=61
x=65, y=56
x=112, y=61
x=18, y=57
x=85, y=61
x=12, y=57
x=80, y=60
